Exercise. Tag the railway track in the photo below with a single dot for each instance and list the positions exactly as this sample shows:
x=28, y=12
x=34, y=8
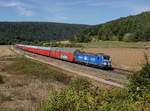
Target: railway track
x=122, y=71
x=115, y=77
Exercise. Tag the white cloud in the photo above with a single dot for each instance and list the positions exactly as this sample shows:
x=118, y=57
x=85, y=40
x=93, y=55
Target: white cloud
x=139, y=8
x=20, y=7
x=93, y=3
x=56, y=13
x=24, y=11
x=72, y=3
x=129, y=5
x=109, y=3
x=101, y=3
x=9, y=4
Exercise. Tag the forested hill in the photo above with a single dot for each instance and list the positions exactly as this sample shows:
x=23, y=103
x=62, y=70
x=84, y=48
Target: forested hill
x=131, y=28
x=11, y=32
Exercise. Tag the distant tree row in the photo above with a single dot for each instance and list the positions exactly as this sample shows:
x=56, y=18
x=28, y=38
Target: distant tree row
x=16, y=32
x=131, y=28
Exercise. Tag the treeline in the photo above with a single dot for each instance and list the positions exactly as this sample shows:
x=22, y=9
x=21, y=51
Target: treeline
x=131, y=28
x=16, y=32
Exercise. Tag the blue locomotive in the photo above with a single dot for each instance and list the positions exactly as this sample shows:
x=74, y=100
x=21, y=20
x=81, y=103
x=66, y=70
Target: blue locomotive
x=100, y=59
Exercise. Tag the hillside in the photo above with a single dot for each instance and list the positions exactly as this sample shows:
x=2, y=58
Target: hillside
x=11, y=32
x=131, y=28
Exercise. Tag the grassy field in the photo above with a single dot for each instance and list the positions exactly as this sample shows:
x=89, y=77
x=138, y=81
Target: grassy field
x=124, y=58
x=125, y=55
x=25, y=83
x=116, y=44
x=32, y=67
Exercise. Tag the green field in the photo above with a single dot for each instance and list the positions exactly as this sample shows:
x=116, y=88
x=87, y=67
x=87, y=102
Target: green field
x=32, y=67
x=115, y=44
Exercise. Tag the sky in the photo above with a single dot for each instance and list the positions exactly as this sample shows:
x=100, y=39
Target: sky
x=70, y=11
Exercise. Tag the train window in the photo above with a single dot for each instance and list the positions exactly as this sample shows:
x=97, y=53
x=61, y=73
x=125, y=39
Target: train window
x=106, y=57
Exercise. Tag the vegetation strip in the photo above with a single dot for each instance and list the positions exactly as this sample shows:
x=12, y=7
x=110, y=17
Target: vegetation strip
x=81, y=95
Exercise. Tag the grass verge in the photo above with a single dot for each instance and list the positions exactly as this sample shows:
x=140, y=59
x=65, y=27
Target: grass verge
x=22, y=65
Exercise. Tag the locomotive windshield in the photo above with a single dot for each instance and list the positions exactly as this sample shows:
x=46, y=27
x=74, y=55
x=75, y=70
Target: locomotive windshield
x=106, y=57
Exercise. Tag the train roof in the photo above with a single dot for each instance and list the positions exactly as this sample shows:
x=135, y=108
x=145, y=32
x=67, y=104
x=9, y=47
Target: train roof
x=72, y=50
x=89, y=53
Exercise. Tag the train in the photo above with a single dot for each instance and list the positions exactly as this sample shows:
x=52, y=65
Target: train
x=71, y=55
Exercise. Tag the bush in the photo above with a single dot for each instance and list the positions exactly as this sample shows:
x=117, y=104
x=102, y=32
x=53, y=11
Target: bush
x=105, y=38
x=79, y=96
x=140, y=81
x=130, y=37
x=139, y=87
x=114, y=38
x=59, y=44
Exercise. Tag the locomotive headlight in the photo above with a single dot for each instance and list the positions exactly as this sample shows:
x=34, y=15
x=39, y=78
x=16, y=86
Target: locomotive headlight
x=105, y=63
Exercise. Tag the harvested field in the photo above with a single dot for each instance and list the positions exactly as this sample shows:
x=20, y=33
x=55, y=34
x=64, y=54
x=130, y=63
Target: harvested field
x=116, y=44
x=124, y=58
x=5, y=51
x=20, y=91
x=24, y=93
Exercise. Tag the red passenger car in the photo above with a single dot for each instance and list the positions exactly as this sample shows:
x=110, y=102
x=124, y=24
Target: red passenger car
x=62, y=53
x=43, y=51
x=55, y=52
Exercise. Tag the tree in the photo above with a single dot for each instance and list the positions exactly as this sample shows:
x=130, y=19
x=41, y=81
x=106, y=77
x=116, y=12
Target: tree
x=140, y=81
x=131, y=28
x=129, y=37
